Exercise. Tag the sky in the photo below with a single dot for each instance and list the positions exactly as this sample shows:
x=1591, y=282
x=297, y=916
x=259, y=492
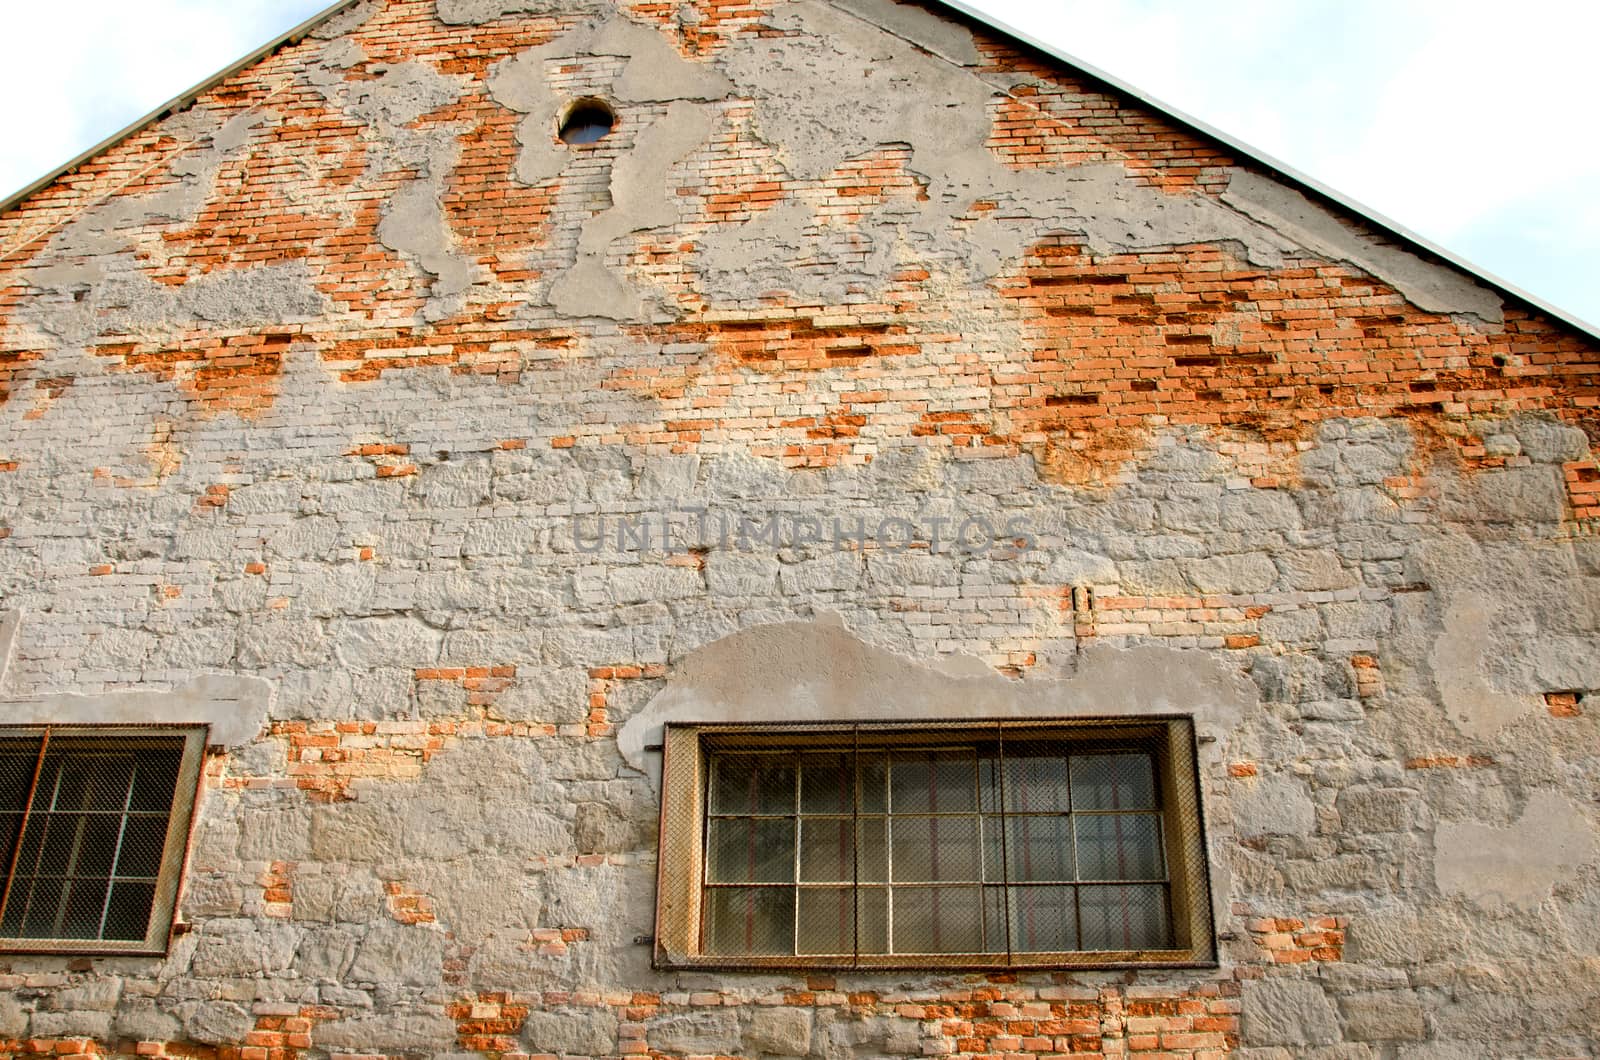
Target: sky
x=1470, y=122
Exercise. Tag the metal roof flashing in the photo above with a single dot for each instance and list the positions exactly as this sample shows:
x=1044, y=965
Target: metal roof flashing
x=1278, y=169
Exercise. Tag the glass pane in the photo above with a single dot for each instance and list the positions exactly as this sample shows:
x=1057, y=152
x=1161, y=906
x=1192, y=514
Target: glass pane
x=872, y=903
x=1039, y=848
x=9, y=824
x=826, y=853
x=874, y=850
x=1036, y=778
x=43, y=902
x=83, y=780
x=1113, y=782
x=994, y=864
x=827, y=920
x=929, y=849
x=747, y=784
x=96, y=846
x=934, y=782
x=994, y=919
x=1132, y=917
x=155, y=780
x=1119, y=846
x=751, y=850
x=17, y=758
x=143, y=839
x=750, y=920
x=128, y=916
x=86, y=899
x=873, y=771
x=1043, y=920
x=60, y=839
x=937, y=920
x=825, y=785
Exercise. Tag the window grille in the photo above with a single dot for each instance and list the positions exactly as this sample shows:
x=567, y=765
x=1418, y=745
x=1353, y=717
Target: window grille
x=93, y=826
x=984, y=845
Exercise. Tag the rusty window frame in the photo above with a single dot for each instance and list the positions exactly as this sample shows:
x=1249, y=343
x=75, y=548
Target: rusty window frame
x=688, y=749
x=190, y=742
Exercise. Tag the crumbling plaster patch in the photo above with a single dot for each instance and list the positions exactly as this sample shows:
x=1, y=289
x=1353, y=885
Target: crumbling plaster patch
x=641, y=198
x=1424, y=285
x=820, y=671
x=235, y=707
x=854, y=77
x=413, y=222
x=477, y=12
x=1518, y=863
x=346, y=21
x=93, y=286
x=1475, y=707
x=8, y=641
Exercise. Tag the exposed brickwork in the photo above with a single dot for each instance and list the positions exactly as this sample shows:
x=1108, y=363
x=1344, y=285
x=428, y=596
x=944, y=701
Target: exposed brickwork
x=1291, y=940
x=245, y=438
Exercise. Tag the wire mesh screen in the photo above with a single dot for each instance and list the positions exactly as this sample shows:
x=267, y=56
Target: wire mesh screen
x=84, y=823
x=942, y=845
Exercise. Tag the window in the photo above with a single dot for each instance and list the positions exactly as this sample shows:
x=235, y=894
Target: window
x=94, y=822
x=587, y=121
x=1018, y=844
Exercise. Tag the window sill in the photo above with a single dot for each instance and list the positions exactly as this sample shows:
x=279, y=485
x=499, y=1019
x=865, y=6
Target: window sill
x=954, y=962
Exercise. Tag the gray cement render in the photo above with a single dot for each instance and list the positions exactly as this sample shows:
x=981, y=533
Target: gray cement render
x=1472, y=893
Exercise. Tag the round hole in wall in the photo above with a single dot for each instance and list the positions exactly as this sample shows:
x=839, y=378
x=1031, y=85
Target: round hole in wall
x=587, y=121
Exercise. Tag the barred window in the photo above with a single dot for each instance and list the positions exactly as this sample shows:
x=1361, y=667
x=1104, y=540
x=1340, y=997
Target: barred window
x=986, y=845
x=93, y=826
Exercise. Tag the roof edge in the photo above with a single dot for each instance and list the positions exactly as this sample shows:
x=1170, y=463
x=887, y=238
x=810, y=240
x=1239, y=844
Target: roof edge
x=1293, y=176
x=181, y=101
x=1287, y=172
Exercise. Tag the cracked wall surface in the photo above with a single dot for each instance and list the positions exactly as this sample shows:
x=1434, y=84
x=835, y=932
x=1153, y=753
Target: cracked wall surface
x=344, y=410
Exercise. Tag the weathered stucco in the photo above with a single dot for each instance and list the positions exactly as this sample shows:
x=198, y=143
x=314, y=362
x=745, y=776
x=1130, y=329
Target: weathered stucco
x=868, y=369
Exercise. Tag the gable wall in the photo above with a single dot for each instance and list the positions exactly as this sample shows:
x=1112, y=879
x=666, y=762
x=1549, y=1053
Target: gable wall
x=348, y=392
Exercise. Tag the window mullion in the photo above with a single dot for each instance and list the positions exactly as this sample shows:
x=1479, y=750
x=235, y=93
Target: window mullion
x=888, y=850
x=22, y=826
x=1005, y=864
x=799, y=764
x=855, y=845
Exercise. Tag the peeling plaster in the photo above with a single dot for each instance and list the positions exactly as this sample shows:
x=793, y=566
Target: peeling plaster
x=640, y=196
x=1519, y=863
x=641, y=200
x=1426, y=286
x=345, y=21
x=235, y=707
x=820, y=671
x=94, y=287
x=9, y=621
x=1457, y=659
x=940, y=35
x=477, y=12
x=839, y=89
x=413, y=223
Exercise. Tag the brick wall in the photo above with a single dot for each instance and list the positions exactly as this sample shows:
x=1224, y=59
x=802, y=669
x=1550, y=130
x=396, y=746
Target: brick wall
x=285, y=393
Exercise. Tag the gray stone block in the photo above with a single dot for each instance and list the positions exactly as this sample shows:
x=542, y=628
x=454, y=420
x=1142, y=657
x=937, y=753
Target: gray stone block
x=780, y=1031
x=715, y=1031
x=571, y=1032
x=1287, y=1012
x=1383, y=1016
